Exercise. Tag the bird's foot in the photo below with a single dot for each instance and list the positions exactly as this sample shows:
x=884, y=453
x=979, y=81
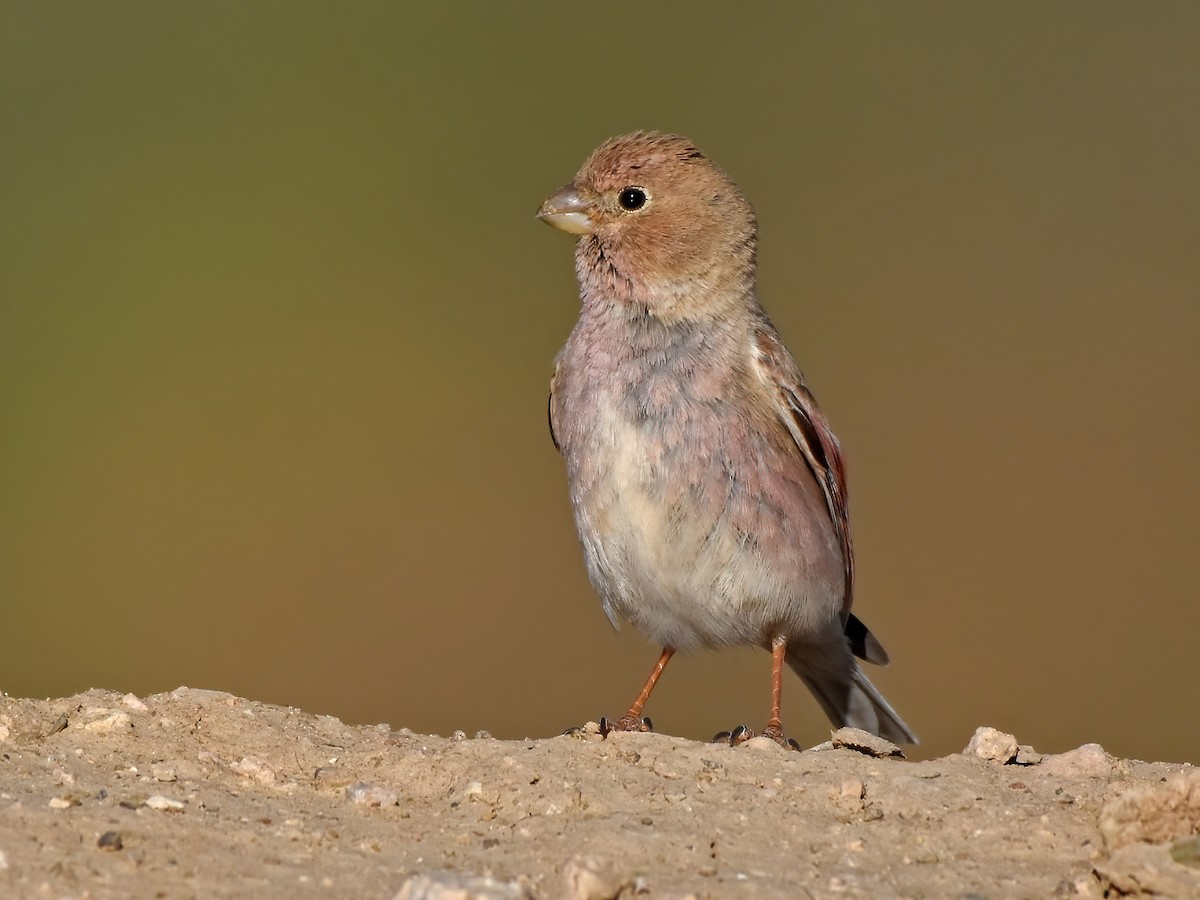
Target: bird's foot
x=775, y=733
x=741, y=734
x=627, y=722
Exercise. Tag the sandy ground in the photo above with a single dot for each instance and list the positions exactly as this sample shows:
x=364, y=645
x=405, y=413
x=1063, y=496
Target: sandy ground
x=200, y=794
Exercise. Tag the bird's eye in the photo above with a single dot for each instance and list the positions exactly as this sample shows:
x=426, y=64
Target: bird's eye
x=632, y=198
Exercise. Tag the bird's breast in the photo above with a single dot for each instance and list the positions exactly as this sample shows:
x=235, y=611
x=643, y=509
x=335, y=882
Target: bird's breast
x=698, y=523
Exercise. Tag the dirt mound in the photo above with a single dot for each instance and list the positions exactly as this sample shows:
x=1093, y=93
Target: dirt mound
x=198, y=793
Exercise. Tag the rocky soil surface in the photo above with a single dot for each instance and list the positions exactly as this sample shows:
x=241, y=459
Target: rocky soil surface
x=202, y=794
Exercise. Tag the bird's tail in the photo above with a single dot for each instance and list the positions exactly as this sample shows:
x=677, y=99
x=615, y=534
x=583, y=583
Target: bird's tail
x=844, y=691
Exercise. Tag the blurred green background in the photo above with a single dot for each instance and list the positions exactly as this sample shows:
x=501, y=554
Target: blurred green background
x=277, y=324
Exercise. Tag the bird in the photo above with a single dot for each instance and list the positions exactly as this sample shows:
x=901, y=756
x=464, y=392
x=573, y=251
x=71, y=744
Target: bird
x=707, y=486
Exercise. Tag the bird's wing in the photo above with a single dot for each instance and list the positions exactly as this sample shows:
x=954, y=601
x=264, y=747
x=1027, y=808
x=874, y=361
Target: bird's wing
x=550, y=411
x=814, y=438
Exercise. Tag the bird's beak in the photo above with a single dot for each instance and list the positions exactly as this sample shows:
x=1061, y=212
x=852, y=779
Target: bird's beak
x=566, y=210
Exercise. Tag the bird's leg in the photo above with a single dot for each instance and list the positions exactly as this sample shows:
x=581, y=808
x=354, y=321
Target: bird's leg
x=633, y=720
x=774, y=729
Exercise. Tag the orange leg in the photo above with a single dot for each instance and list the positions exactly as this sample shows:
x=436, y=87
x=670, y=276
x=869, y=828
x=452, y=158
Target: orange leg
x=632, y=720
x=635, y=709
x=774, y=729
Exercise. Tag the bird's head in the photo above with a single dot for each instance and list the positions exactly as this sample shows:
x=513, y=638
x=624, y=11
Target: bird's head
x=661, y=225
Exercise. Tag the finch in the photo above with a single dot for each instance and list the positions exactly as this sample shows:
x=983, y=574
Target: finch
x=708, y=489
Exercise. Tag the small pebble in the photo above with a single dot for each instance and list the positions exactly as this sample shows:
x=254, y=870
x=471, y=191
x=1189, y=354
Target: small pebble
x=110, y=840
x=255, y=767
x=372, y=795
x=164, y=804
x=588, y=878
x=107, y=721
x=1027, y=756
x=1090, y=760
x=992, y=745
x=452, y=886
x=864, y=742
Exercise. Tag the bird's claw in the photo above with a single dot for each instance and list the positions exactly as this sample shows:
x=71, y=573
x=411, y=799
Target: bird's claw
x=775, y=733
x=626, y=723
x=742, y=733
x=739, y=735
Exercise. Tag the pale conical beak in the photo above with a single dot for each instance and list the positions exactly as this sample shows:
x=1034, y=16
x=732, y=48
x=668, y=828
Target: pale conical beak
x=567, y=211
